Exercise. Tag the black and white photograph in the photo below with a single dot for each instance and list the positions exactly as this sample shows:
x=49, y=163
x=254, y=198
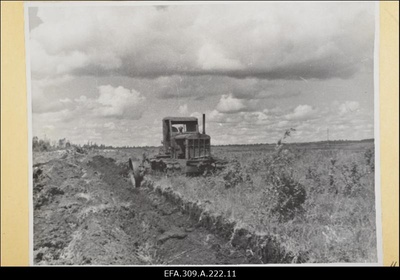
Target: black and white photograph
x=203, y=133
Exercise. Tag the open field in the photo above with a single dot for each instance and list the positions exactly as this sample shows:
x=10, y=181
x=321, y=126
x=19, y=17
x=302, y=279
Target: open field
x=316, y=201
x=319, y=203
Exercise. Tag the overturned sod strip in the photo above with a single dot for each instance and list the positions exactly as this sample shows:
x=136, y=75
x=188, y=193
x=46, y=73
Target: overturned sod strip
x=262, y=248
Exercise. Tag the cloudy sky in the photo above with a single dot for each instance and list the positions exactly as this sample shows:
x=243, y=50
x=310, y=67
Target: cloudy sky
x=110, y=74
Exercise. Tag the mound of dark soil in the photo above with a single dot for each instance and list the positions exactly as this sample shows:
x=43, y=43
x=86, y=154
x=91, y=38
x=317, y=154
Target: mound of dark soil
x=87, y=212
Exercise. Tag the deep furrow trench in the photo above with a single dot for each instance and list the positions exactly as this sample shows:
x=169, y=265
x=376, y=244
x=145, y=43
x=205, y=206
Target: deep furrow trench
x=87, y=212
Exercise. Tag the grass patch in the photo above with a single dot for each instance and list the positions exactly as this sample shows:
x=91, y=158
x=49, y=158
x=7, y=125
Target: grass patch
x=320, y=203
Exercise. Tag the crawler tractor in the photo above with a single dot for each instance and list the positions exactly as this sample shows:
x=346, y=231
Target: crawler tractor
x=185, y=150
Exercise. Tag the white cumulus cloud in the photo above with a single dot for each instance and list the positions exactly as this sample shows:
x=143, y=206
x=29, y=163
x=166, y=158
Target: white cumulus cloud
x=349, y=107
x=230, y=104
x=301, y=112
x=119, y=101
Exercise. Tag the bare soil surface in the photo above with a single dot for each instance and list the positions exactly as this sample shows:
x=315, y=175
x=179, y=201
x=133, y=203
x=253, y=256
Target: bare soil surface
x=86, y=212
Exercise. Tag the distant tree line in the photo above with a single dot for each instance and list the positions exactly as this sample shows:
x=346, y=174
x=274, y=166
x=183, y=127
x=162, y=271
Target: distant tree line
x=40, y=145
x=300, y=143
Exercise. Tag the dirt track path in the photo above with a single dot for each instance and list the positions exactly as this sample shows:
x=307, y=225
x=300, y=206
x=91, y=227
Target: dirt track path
x=86, y=212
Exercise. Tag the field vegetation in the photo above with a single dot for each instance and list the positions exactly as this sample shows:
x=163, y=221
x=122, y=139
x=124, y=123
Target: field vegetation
x=317, y=199
x=319, y=202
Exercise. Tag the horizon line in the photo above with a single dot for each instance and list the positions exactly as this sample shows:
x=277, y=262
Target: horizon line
x=216, y=145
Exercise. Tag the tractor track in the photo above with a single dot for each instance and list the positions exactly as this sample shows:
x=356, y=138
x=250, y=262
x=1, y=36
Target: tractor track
x=86, y=212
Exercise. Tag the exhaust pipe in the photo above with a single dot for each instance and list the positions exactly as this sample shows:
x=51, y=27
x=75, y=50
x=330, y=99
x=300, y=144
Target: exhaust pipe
x=204, y=123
